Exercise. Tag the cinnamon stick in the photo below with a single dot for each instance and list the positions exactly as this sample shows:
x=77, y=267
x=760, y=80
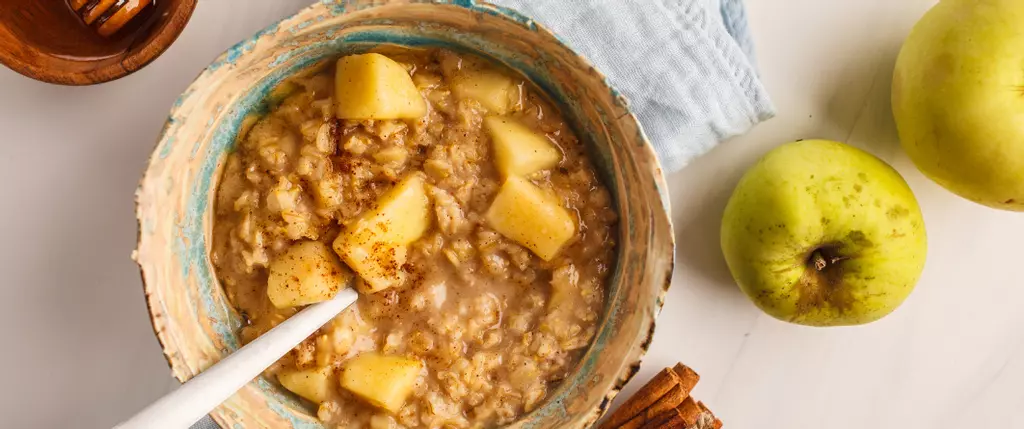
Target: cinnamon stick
x=671, y=419
x=689, y=412
x=671, y=400
x=718, y=423
x=664, y=403
x=703, y=407
x=636, y=422
x=650, y=393
x=688, y=378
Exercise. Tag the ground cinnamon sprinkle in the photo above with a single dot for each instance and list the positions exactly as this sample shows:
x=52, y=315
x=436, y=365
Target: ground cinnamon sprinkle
x=664, y=403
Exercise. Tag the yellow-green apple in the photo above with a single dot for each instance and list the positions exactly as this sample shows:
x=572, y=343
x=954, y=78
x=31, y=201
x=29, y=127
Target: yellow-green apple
x=824, y=234
x=958, y=99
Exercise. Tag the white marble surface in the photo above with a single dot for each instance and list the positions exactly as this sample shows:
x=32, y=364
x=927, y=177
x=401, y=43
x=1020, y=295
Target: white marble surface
x=79, y=351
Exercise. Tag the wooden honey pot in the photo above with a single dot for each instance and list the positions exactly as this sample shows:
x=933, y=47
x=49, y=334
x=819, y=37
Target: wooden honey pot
x=46, y=40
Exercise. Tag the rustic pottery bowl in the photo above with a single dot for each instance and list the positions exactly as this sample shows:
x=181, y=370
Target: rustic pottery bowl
x=191, y=316
x=45, y=40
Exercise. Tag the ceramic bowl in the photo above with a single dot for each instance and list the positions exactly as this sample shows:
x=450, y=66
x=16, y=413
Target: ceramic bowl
x=191, y=315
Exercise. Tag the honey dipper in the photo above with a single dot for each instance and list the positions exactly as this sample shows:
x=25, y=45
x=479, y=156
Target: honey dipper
x=108, y=16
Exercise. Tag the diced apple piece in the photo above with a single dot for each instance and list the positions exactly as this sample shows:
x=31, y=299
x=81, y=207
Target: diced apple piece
x=375, y=245
x=531, y=217
x=384, y=381
x=493, y=90
x=372, y=86
x=313, y=384
x=306, y=273
x=518, y=150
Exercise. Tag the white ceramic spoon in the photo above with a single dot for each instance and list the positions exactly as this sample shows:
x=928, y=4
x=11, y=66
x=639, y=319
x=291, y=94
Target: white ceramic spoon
x=197, y=397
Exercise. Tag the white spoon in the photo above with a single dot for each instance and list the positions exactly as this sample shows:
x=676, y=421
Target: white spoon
x=200, y=395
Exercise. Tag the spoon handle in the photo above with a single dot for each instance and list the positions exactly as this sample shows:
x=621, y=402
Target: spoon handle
x=197, y=397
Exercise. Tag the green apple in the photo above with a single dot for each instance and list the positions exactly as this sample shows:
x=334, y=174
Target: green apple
x=958, y=99
x=824, y=234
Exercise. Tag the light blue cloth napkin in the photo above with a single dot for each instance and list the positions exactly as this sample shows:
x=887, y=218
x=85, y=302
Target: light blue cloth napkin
x=686, y=66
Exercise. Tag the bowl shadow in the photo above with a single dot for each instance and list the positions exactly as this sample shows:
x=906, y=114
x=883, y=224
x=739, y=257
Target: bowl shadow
x=697, y=209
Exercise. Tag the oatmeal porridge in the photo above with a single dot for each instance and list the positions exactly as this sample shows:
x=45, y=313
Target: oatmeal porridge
x=461, y=206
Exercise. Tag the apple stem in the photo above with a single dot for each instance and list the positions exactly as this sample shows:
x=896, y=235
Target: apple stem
x=821, y=262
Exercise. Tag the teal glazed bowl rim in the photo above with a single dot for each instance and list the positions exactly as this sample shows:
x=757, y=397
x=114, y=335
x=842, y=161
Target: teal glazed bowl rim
x=190, y=313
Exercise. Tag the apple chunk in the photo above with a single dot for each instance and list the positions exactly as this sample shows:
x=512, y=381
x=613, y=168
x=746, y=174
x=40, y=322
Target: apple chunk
x=518, y=150
x=531, y=217
x=307, y=273
x=376, y=244
x=494, y=91
x=313, y=384
x=384, y=381
x=372, y=86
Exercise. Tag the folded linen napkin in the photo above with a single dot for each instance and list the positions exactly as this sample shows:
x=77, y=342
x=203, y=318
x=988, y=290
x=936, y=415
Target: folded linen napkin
x=686, y=67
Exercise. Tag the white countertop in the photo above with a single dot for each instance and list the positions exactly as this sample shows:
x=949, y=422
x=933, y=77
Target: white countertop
x=79, y=351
